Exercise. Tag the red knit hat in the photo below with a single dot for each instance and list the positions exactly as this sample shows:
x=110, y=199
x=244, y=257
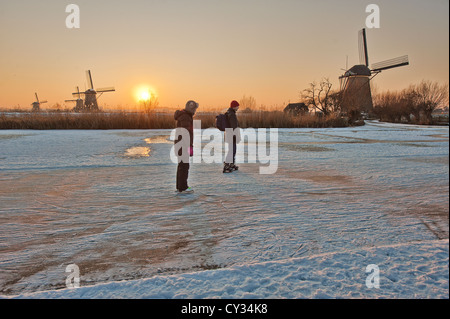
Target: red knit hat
x=234, y=104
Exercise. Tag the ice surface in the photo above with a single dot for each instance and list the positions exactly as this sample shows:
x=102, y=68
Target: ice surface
x=105, y=200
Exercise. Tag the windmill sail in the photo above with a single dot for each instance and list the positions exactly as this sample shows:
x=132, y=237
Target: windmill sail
x=37, y=99
x=89, y=79
x=362, y=42
x=390, y=64
x=108, y=89
x=77, y=94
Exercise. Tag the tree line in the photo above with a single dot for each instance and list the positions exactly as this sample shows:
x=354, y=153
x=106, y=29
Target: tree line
x=415, y=104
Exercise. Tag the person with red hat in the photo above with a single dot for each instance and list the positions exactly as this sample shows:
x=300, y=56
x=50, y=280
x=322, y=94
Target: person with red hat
x=229, y=165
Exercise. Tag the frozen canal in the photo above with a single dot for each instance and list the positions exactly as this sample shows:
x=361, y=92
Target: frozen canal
x=105, y=201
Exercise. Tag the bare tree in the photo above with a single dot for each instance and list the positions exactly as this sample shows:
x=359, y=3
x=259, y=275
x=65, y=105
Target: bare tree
x=247, y=104
x=149, y=104
x=318, y=96
x=335, y=101
x=393, y=106
x=430, y=96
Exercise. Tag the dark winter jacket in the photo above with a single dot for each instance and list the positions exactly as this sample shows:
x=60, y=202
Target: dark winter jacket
x=232, y=118
x=233, y=123
x=184, y=119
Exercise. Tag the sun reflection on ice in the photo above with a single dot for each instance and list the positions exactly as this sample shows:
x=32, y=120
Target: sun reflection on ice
x=138, y=151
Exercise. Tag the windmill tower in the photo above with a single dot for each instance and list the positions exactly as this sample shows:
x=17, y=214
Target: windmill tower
x=90, y=95
x=356, y=95
x=37, y=105
x=79, y=106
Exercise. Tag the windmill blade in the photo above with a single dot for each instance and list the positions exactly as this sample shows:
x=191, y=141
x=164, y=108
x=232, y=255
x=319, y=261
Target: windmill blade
x=108, y=89
x=362, y=43
x=77, y=94
x=37, y=99
x=70, y=100
x=89, y=79
x=42, y=102
x=390, y=64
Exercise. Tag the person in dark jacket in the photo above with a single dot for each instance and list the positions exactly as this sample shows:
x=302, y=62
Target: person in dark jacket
x=185, y=120
x=229, y=165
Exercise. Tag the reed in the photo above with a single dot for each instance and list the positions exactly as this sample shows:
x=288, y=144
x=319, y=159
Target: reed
x=124, y=120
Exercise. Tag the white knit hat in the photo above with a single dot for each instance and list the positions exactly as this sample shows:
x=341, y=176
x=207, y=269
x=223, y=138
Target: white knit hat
x=191, y=106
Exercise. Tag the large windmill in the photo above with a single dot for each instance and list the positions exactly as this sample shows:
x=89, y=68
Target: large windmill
x=37, y=105
x=355, y=82
x=90, y=95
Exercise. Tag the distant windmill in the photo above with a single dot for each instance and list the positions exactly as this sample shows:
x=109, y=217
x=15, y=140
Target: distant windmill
x=37, y=104
x=355, y=82
x=79, y=106
x=90, y=95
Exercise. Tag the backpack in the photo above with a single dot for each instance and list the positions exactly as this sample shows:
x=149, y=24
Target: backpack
x=222, y=122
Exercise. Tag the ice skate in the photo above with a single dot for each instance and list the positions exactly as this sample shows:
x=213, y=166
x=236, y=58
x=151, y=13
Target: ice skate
x=189, y=190
x=227, y=168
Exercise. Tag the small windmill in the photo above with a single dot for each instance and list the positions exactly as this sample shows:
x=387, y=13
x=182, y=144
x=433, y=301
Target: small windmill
x=79, y=106
x=90, y=95
x=37, y=105
x=355, y=82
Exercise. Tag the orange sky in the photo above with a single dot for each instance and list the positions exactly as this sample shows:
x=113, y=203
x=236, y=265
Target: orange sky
x=209, y=50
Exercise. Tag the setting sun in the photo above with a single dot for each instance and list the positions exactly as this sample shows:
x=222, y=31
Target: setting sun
x=145, y=93
x=145, y=96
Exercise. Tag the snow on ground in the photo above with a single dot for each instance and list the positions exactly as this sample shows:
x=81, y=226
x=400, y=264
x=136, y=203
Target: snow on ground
x=340, y=200
x=415, y=270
